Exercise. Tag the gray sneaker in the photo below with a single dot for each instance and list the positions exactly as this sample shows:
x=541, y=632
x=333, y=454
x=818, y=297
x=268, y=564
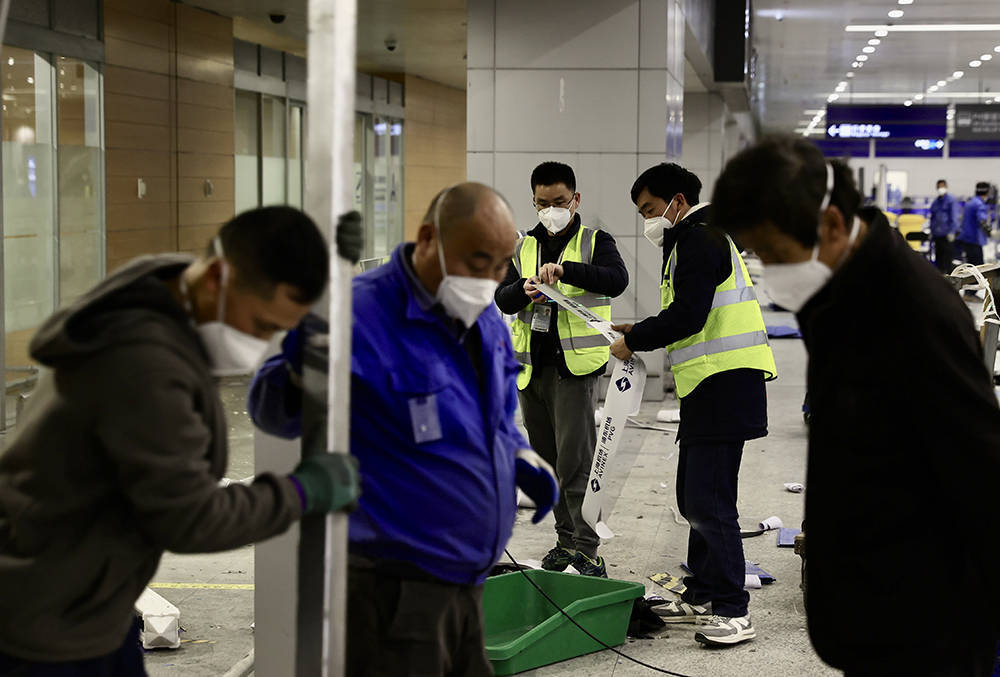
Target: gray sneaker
x=682, y=612
x=724, y=631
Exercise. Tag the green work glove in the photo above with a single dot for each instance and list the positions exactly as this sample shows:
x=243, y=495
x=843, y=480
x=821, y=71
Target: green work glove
x=327, y=483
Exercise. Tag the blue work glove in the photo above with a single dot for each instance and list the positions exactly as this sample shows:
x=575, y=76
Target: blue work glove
x=327, y=483
x=537, y=480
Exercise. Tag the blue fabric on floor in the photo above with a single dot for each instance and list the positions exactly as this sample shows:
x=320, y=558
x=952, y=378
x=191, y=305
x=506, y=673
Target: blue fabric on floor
x=783, y=331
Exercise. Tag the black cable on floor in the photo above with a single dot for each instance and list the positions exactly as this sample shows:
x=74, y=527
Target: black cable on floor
x=583, y=629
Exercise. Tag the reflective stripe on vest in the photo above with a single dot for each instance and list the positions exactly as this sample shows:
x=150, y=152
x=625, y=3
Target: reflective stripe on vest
x=585, y=349
x=734, y=335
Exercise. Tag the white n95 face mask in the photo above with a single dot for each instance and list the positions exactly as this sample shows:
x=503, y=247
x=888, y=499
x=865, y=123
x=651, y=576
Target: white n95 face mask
x=555, y=219
x=942, y=191
x=791, y=285
x=654, y=227
x=464, y=298
x=231, y=352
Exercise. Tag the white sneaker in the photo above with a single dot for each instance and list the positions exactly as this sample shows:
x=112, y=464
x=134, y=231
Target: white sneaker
x=722, y=630
x=682, y=612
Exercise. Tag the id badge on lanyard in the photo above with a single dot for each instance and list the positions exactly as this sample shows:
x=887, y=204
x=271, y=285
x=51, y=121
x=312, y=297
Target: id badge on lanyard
x=541, y=318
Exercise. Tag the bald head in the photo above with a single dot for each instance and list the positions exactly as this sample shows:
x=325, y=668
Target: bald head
x=475, y=226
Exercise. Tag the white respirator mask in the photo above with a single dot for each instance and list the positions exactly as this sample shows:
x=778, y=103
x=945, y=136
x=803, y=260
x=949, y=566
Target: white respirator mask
x=942, y=191
x=653, y=228
x=464, y=298
x=231, y=352
x=555, y=219
x=791, y=285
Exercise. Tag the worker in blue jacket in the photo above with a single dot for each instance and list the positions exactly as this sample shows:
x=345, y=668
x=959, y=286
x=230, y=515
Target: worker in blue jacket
x=975, y=226
x=433, y=395
x=944, y=227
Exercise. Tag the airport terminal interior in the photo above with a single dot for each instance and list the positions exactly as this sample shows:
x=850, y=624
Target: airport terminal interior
x=136, y=127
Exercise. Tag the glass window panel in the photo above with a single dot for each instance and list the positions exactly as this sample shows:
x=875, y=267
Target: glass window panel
x=380, y=187
x=295, y=156
x=81, y=188
x=28, y=201
x=395, y=210
x=272, y=150
x=247, y=186
x=359, y=163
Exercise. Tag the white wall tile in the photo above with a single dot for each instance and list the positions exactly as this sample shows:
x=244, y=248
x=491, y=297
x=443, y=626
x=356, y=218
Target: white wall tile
x=675, y=43
x=566, y=110
x=655, y=33
x=567, y=34
x=653, y=113
x=648, y=279
x=624, y=306
x=604, y=181
x=480, y=109
x=479, y=167
x=513, y=180
x=479, y=47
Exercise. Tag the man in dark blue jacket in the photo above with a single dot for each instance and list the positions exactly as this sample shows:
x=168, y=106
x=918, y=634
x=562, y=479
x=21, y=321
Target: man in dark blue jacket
x=432, y=402
x=975, y=226
x=944, y=227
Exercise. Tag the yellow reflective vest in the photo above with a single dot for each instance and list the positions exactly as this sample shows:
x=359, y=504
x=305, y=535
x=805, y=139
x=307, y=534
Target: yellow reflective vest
x=585, y=349
x=734, y=335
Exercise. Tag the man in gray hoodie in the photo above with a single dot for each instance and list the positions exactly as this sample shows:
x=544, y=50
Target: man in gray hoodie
x=120, y=452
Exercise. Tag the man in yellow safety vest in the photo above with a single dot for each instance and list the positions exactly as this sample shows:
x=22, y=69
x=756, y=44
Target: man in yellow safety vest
x=562, y=358
x=712, y=328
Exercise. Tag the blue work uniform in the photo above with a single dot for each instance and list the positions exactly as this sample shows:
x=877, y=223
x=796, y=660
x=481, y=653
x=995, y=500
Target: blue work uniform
x=975, y=214
x=944, y=216
x=432, y=425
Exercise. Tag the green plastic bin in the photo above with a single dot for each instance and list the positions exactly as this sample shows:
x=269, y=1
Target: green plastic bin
x=524, y=631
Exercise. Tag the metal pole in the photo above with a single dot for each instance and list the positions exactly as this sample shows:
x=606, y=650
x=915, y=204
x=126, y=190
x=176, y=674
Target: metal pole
x=322, y=595
x=4, y=11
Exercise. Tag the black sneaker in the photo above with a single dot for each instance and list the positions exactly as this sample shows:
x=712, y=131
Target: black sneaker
x=590, y=567
x=558, y=558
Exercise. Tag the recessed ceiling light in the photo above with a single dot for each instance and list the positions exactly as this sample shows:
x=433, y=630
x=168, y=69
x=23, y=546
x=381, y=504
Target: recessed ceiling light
x=923, y=28
x=997, y=99
x=975, y=63
x=941, y=83
x=833, y=97
x=868, y=50
x=862, y=57
x=933, y=88
x=855, y=65
x=957, y=74
x=918, y=97
x=906, y=2
x=850, y=75
x=874, y=41
x=10, y=60
x=842, y=83
x=881, y=33
x=907, y=103
x=997, y=49
x=986, y=57
x=895, y=13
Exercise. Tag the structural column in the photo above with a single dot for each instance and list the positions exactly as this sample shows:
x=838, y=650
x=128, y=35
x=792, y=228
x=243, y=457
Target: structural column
x=599, y=86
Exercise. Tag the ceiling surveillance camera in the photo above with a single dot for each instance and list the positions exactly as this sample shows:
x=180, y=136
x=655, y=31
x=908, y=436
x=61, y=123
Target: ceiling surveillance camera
x=276, y=17
x=390, y=44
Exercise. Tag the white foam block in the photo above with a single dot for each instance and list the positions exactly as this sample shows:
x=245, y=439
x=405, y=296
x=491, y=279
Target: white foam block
x=161, y=621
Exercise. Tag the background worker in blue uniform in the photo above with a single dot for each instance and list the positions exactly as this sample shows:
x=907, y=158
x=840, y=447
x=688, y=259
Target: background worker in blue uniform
x=944, y=227
x=877, y=481
x=713, y=330
x=122, y=446
x=562, y=357
x=433, y=397
x=975, y=226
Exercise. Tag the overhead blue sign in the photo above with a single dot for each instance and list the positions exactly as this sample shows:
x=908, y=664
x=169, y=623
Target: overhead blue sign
x=885, y=122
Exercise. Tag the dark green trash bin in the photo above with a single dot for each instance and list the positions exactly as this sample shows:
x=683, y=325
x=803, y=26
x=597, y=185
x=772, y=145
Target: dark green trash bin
x=524, y=631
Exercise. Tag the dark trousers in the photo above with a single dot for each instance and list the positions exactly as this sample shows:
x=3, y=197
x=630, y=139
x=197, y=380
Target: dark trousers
x=125, y=662
x=944, y=254
x=973, y=658
x=414, y=628
x=707, y=486
x=971, y=253
x=559, y=417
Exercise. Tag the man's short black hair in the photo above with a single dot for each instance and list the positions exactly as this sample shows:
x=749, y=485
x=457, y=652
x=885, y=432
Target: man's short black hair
x=273, y=245
x=551, y=173
x=782, y=179
x=940, y=181
x=872, y=216
x=665, y=180
x=982, y=188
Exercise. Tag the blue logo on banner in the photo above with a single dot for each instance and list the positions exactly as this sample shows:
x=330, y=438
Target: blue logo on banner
x=623, y=384
x=595, y=485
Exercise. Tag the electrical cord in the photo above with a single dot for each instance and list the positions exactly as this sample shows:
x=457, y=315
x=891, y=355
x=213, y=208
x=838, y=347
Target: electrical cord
x=989, y=307
x=583, y=629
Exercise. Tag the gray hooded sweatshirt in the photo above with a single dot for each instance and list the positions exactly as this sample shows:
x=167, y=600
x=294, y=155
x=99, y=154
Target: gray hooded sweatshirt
x=117, y=459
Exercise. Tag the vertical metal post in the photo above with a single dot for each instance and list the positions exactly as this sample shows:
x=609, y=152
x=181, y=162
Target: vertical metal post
x=4, y=11
x=322, y=595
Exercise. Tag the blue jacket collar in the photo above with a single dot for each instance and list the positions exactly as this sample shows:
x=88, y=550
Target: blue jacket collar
x=420, y=304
